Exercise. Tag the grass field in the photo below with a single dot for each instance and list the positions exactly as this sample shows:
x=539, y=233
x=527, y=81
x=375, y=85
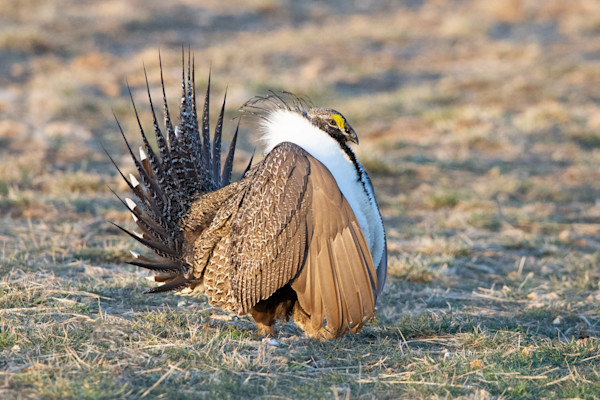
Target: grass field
x=479, y=123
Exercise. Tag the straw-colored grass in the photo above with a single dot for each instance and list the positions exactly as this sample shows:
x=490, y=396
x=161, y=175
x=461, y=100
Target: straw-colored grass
x=480, y=126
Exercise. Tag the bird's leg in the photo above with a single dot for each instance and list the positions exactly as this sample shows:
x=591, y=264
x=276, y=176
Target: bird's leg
x=265, y=319
x=278, y=306
x=302, y=320
x=265, y=330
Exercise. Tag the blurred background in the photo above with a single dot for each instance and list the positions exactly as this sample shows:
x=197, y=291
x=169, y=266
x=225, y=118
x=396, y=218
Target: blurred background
x=479, y=123
x=474, y=88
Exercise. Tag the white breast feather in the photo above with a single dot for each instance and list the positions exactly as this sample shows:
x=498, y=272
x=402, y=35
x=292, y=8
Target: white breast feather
x=287, y=126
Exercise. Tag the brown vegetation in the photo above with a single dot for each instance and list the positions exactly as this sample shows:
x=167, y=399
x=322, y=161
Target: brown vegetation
x=480, y=126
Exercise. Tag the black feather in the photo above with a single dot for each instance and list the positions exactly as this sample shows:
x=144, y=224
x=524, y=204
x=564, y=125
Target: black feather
x=216, y=157
x=155, y=201
x=176, y=283
x=158, y=266
x=249, y=164
x=228, y=166
x=206, y=129
x=185, y=165
x=159, y=248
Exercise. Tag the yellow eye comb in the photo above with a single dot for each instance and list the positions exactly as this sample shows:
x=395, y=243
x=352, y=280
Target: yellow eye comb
x=339, y=119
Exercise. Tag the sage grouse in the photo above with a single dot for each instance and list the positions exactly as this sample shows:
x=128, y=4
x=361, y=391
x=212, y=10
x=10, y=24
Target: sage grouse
x=298, y=235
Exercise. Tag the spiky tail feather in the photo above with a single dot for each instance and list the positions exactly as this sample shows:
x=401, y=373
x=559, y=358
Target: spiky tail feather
x=169, y=181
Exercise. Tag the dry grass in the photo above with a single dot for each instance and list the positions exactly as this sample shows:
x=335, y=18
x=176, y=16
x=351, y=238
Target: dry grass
x=479, y=123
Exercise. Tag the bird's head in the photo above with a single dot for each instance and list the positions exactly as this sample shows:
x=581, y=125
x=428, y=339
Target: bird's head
x=283, y=111
x=332, y=122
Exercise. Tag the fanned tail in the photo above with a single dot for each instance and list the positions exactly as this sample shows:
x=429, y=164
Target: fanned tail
x=186, y=165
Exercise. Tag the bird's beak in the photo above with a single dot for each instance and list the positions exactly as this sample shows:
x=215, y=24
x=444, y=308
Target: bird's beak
x=351, y=134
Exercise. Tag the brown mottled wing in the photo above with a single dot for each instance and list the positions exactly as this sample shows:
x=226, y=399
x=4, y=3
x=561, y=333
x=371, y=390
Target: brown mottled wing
x=337, y=284
x=294, y=224
x=268, y=233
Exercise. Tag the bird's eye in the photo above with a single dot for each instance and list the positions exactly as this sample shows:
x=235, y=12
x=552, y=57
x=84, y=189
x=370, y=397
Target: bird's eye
x=332, y=122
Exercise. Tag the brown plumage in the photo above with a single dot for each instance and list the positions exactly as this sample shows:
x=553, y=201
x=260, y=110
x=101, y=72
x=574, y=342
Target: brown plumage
x=281, y=242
